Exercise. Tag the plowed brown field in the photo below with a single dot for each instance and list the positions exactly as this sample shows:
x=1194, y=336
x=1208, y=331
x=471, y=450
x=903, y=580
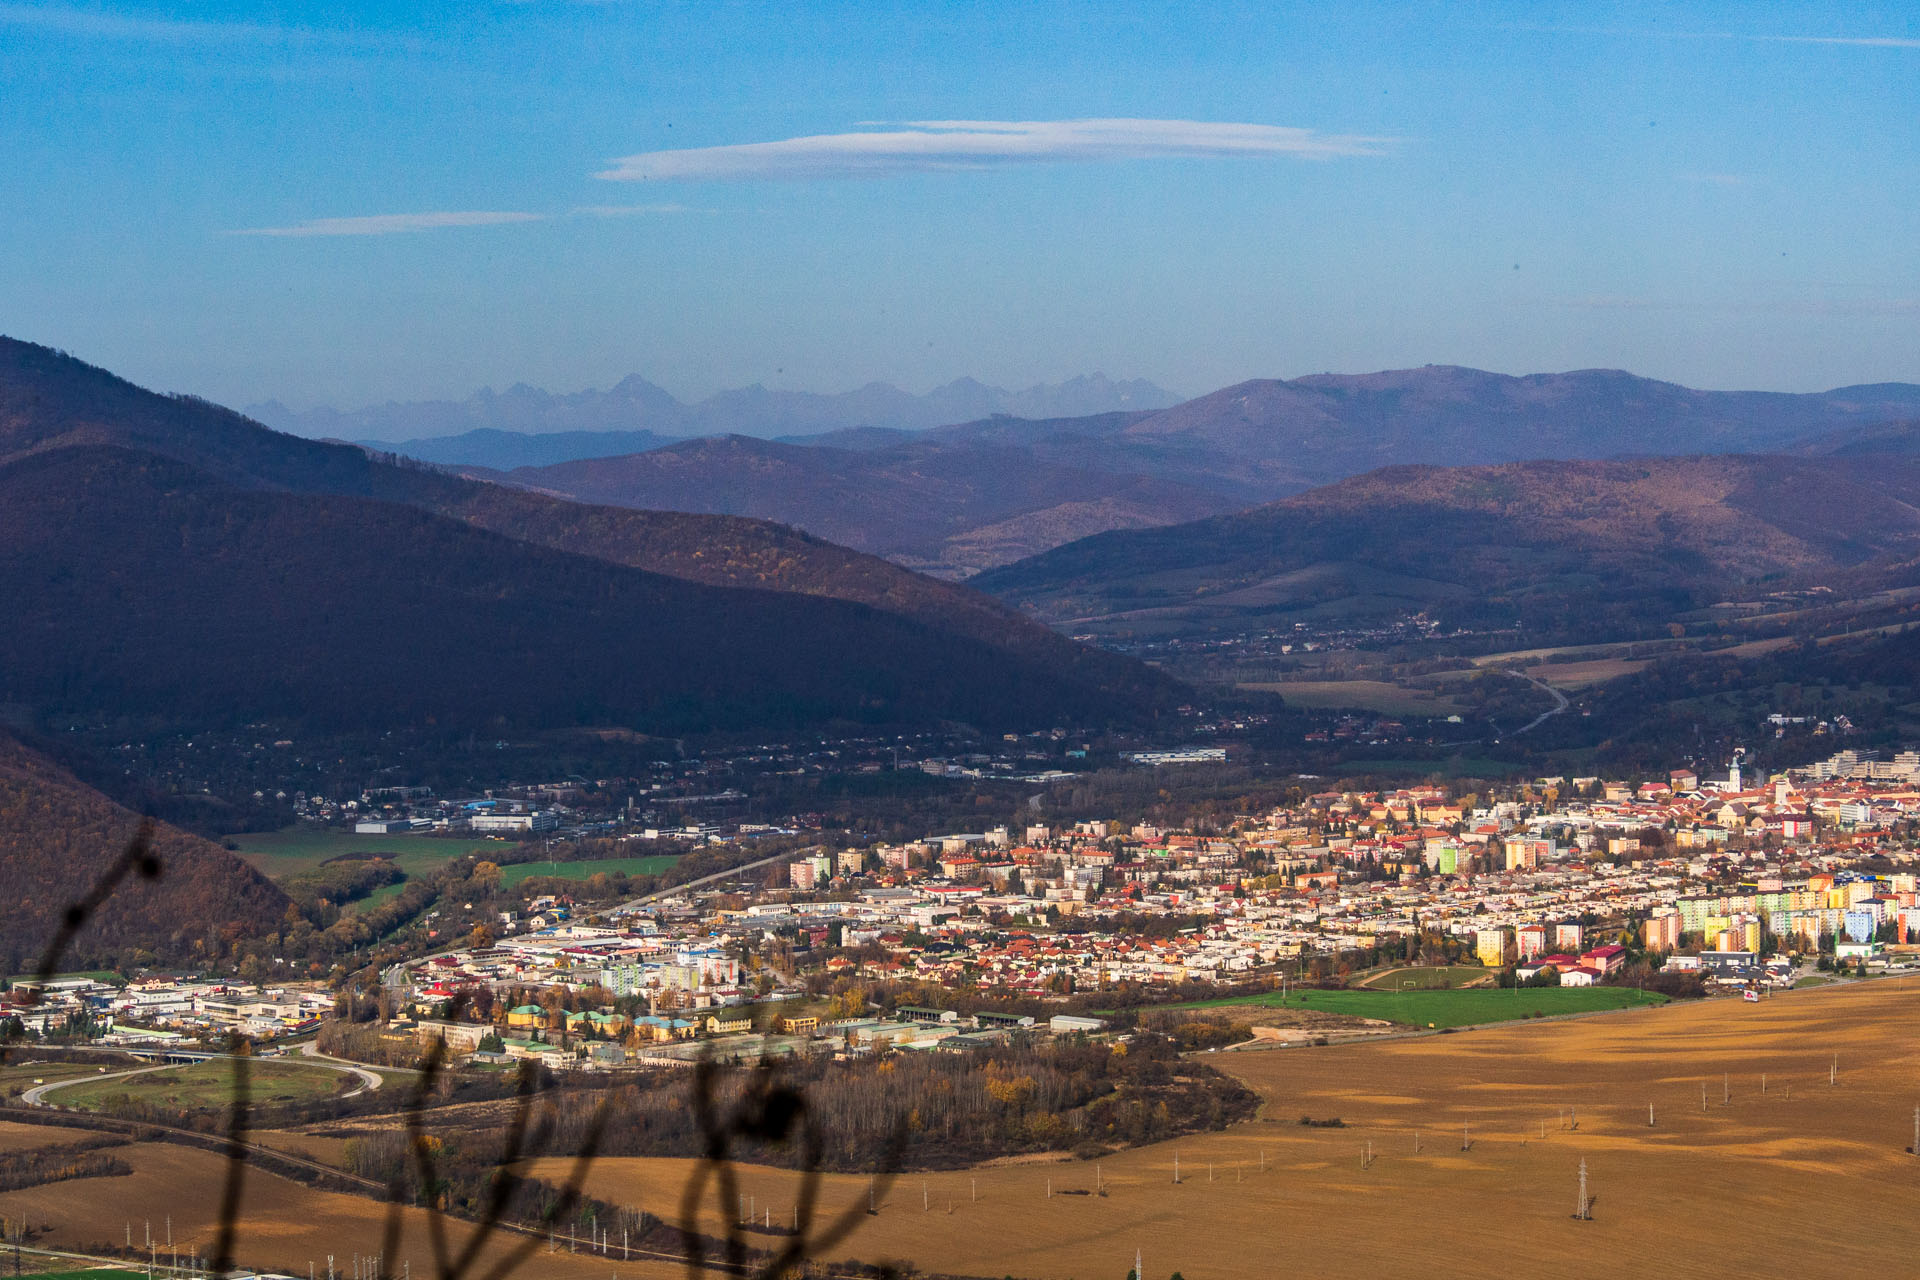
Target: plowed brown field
x=1806, y=1179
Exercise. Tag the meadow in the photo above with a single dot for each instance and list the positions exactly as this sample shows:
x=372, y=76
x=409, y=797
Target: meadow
x=283, y=853
x=1360, y=695
x=208, y=1086
x=648, y=866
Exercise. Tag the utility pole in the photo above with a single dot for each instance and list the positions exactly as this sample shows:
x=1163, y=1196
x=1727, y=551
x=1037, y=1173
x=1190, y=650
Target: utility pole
x=1649, y=1115
x=1584, y=1212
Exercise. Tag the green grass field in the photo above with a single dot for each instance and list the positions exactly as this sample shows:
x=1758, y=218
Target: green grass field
x=297, y=849
x=209, y=1086
x=522, y=872
x=19, y=1077
x=97, y=1273
x=1363, y=695
x=1447, y=1008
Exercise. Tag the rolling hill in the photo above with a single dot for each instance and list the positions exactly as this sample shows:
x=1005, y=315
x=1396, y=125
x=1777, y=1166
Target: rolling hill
x=1322, y=428
x=58, y=837
x=951, y=508
x=1578, y=548
x=50, y=402
x=148, y=590
x=972, y=495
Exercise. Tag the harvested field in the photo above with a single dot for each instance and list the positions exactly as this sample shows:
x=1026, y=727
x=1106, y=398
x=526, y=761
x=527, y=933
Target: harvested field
x=284, y=1226
x=28, y=1137
x=1805, y=1179
x=1361, y=695
x=1464, y=1007
x=1576, y=675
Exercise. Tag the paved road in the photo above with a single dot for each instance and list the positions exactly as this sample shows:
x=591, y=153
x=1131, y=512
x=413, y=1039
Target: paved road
x=1560, y=704
x=628, y=907
x=369, y=1080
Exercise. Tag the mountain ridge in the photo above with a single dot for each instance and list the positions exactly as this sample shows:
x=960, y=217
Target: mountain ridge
x=51, y=402
x=636, y=404
x=49, y=399
x=1621, y=543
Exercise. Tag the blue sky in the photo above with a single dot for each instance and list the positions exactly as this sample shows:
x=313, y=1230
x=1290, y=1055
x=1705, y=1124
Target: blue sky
x=347, y=203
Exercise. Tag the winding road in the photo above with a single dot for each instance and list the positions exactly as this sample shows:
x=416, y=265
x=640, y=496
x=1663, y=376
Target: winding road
x=369, y=1080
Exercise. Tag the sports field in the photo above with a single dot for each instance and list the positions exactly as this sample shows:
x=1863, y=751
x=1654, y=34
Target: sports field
x=297, y=849
x=520, y=872
x=1444, y=1008
x=1790, y=1176
x=1429, y=976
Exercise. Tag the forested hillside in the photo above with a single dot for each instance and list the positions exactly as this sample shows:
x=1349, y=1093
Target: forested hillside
x=58, y=837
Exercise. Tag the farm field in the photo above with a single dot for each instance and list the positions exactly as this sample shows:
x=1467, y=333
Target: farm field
x=1753, y=1185
x=297, y=849
x=208, y=1086
x=524, y=871
x=1443, y=1008
x=1365, y=695
x=284, y=1227
x=1576, y=675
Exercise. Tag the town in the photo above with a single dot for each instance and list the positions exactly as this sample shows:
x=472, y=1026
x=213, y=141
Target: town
x=1718, y=885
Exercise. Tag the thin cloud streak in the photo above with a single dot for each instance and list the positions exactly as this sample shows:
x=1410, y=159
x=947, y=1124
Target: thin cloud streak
x=1865, y=42
x=929, y=146
x=382, y=224
x=1646, y=33
x=97, y=25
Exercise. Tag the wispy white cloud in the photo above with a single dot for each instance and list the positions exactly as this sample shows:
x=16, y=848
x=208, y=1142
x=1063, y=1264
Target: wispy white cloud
x=1648, y=33
x=1865, y=42
x=921, y=146
x=99, y=24
x=382, y=224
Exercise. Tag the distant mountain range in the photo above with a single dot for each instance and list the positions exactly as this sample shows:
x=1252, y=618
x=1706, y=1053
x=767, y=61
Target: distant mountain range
x=178, y=561
x=1559, y=549
x=635, y=405
x=938, y=502
x=965, y=497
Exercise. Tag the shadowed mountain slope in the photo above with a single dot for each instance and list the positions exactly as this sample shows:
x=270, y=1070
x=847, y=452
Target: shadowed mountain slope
x=59, y=837
x=147, y=589
x=1549, y=545
x=921, y=502
x=49, y=400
